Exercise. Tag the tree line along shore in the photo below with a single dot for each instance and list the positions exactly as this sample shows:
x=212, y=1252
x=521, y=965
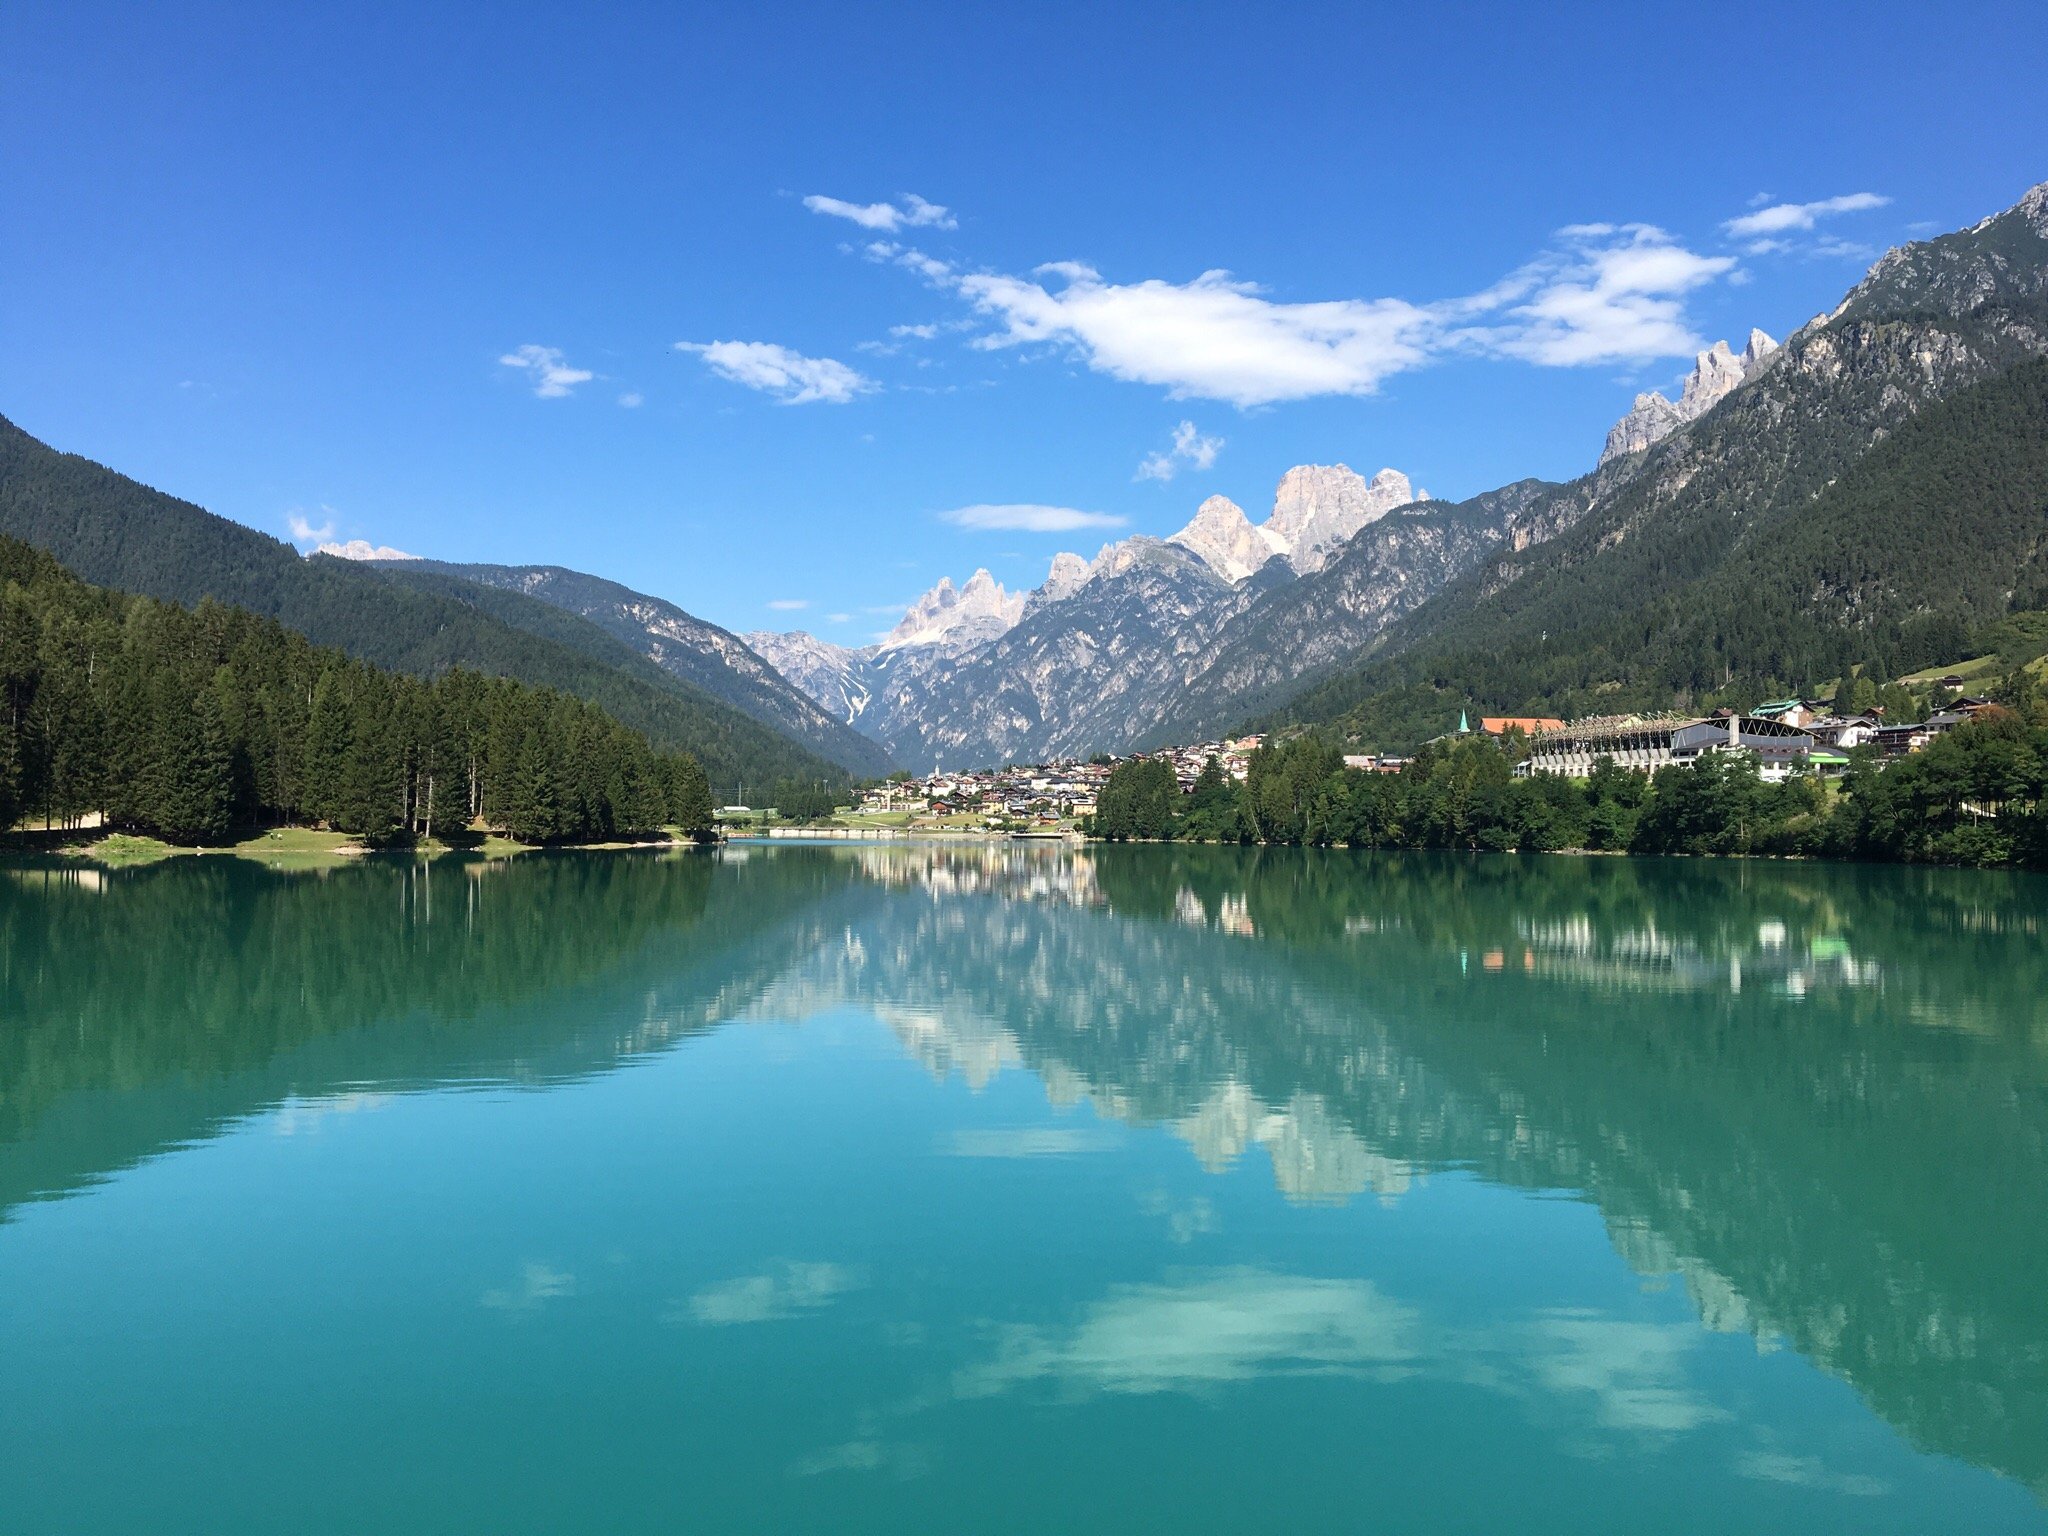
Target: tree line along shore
x=188, y=725
x=1976, y=796
x=197, y=726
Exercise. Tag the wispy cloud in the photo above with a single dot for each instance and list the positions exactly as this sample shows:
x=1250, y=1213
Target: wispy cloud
x=305, y=530
x=1189, y=447
x=632, y=399
x=1784, y=218
x=1808, y=1472
x=1029, y=1141
x=786, y=1291
x=788, y=604
x=1610, y=294
x=776, y=370
x=913, y=332
x=537, y=1283
x=1027, y=517
x=547, y=369
x=887, y=217
x=1205, y=1333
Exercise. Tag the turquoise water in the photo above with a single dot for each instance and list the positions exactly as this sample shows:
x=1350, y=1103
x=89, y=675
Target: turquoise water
x=979, y=1188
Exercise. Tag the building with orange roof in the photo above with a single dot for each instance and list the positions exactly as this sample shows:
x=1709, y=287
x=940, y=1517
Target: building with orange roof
x=1528, y=725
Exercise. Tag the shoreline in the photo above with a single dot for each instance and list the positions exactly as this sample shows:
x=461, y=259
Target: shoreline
x=290, y=848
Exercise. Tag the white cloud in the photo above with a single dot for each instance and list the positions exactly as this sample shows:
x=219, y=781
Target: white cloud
x=787, y=1291
x=1808, y=1472
x=1779, y=218
x=1189, y=447
x=305, y=531
x=930, y=268
x=1206, y=1333
x=788, y=604
x=776, y=370
x=838, y=618
x=1613, y=294
x=1027, y=517
x=321, y=536
x=1631, y=1373
x=1607, y=293
x=1214, y=338
x=914, y=332
x=1028, y=1141
x=549, y=371
x=537, y=1283
x=363, y=549
x=913, y=210
x=632, y=399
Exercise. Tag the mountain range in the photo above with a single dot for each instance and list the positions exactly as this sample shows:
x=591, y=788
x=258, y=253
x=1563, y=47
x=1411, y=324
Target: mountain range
x=416, y=618
x=1756, y=534
x=1866, y=494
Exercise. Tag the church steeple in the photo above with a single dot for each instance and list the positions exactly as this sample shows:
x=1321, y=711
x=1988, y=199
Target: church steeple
x=1464, y=725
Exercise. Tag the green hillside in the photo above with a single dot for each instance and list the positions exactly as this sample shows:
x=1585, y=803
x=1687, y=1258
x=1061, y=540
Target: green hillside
x=115, y=532
x=1900, y=564
x=1873, y=500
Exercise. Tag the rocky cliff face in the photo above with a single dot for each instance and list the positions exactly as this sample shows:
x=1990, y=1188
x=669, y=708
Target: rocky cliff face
x=958, y=618
x=1717, y=373
x=1225, y=540
x=1066, y=577
x=1296, y=630
x=1074, y=677
x=1108, y=649
x=835, y=677
x=1321, y=506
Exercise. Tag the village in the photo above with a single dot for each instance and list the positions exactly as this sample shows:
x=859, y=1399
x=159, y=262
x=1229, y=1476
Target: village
x=1785, y=737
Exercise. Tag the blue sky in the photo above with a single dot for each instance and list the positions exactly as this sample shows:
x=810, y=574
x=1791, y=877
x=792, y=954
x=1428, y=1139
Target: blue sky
x=275, y=261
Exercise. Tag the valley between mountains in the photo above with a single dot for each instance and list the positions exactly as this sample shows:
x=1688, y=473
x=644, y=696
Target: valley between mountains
x=1866, y=495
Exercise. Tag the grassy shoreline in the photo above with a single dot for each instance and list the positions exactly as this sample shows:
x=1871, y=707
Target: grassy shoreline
x=284, y=847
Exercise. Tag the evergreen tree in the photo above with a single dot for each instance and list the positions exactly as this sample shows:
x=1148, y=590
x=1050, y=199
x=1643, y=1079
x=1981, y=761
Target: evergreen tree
x=689, y=804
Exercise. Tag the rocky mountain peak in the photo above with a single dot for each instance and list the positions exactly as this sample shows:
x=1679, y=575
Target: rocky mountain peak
x=958, y=616
x=2002, y=259
x=1067, y=573
x=1716, y=373
x=2034, y=208
x=1226, y=540
x=1319, y=506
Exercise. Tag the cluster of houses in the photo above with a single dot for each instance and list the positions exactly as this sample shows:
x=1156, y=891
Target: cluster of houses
x=1039, y=793
x=1785, y=736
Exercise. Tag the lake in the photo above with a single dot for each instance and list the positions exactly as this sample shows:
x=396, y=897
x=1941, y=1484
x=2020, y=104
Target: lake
x=989, y=1188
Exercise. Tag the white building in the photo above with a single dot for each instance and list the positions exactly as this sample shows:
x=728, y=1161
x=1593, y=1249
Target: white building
x=1644, y=746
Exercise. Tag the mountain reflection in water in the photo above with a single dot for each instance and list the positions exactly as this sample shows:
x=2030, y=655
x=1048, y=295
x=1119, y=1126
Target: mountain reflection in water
x=1816, y=1095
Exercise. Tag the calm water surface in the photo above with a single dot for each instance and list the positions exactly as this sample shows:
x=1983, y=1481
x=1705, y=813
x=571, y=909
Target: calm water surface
x=915, y=1188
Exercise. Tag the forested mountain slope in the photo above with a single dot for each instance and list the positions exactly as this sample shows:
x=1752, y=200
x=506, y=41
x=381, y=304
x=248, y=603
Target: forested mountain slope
x=701, y=654
x=191, y=722
x=1869, y=496
x=115, y=532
